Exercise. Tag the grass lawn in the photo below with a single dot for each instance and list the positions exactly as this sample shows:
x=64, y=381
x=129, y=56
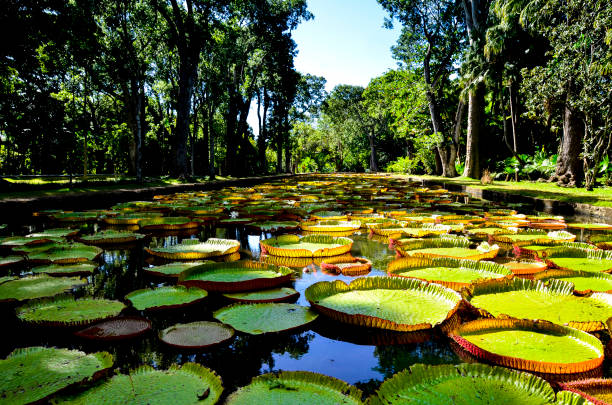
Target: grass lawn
x=599, y=196
x=43, y=187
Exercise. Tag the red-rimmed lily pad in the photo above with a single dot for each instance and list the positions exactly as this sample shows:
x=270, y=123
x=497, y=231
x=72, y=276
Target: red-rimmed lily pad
x=308, y=246
x=116, y=329
x=348, y=266
x=257, y=319
x=539, y=346
x=596, y=390
x=243, y=275
x=196, y=335
x=10, y=261
x=193, y=249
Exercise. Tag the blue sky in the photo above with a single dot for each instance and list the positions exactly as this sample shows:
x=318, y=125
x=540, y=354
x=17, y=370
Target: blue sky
x=345, y=42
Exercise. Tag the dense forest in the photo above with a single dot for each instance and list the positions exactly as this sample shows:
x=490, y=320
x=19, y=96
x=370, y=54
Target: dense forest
x=508, y=89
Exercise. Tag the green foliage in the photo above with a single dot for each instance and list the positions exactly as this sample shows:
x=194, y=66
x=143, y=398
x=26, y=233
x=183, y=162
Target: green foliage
x=403, y=165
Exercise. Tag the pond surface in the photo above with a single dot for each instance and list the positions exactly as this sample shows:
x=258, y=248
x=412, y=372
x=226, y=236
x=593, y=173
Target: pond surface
x=359, y=356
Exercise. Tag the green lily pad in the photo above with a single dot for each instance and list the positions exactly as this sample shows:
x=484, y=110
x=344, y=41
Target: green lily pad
x=581, y=260
x=165, y=297
x=591, y=226
x=385, y=302
x=452, y=273
x=586, y=392
x=35, y=373
x=296, y=387
x=9, y=261
x=68, y=311
x=196, y=335
x=271, y=295
x=172, y=269
x=84, y=216
x=65, y=270
x=66, y=254
x=193, y=249
x=555, y=302
x=185, y=385
x=110, y=237
x=583, y=281
x=116, y=329
x=273, y=226
x=464, y=384
x=130, y=219
x=256, y=319
x=32, y=287
x=54, y=233
x=532, y=346
x=308, y=246
x=168, y=223
x=242, y=275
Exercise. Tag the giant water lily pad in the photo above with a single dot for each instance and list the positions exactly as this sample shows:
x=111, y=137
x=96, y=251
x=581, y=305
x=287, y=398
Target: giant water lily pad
x=452, y=273
x=385, y=302
x=274, y=226
x=532, y=346
x=110, y=237
x=54, y=233
x=464, y=384
x=179, y=385
x=32, y=287
x=60, y=270
x=34, y=373
x=262, y=296
x=526, y=268
x=116, y=329
x=581, y=259
x=66, y=254
x=454, y=248
x=597, y=391
x=168, y=223
x=196, y=335
x=193, y=249
x=308, y=246
x=171, y=269
x=10, y=261
x=348, y=266
x=68, y=311
x=584, y=282
x=130, y=219
x=555, y=302
x=242, y=275
x=256, y=319
x=330, y=226
x=530, y=237
x=411, y=230
x=165, y=297
x=296, y=387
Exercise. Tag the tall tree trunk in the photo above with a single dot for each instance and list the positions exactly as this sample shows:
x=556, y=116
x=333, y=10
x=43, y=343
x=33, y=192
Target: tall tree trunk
x=568, y=171
x=194, y=136
x=187, y=77
x=373, y=164
x=279, y=151
x=287, y=145
x=211, y=144
x=263, y=133
x=231, y=146
x=472, y=144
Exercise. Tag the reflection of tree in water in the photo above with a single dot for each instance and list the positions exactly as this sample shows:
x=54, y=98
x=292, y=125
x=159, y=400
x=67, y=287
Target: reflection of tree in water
x=392, y=359
x=378, y=253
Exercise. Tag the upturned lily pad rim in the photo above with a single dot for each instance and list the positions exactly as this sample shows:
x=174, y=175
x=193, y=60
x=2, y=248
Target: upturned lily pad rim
x=414, y=263
x=226, y=247
x=526, y=364
x=87, y=333
x=324, y=289
x=274, y=246
x=163, y=334
x=560, y=274
x=582, y=388
x=408, y=248
x=178, y=289
x=352, y=393
x=419, y=376
x=357, y=266
x=189, y=276
x=553, y=287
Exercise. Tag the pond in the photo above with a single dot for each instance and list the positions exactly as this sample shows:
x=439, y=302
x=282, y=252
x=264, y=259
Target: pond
x=364, y=357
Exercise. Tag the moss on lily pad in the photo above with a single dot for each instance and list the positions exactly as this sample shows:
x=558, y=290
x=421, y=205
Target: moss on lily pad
x=188, y=384
x=35, y=373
